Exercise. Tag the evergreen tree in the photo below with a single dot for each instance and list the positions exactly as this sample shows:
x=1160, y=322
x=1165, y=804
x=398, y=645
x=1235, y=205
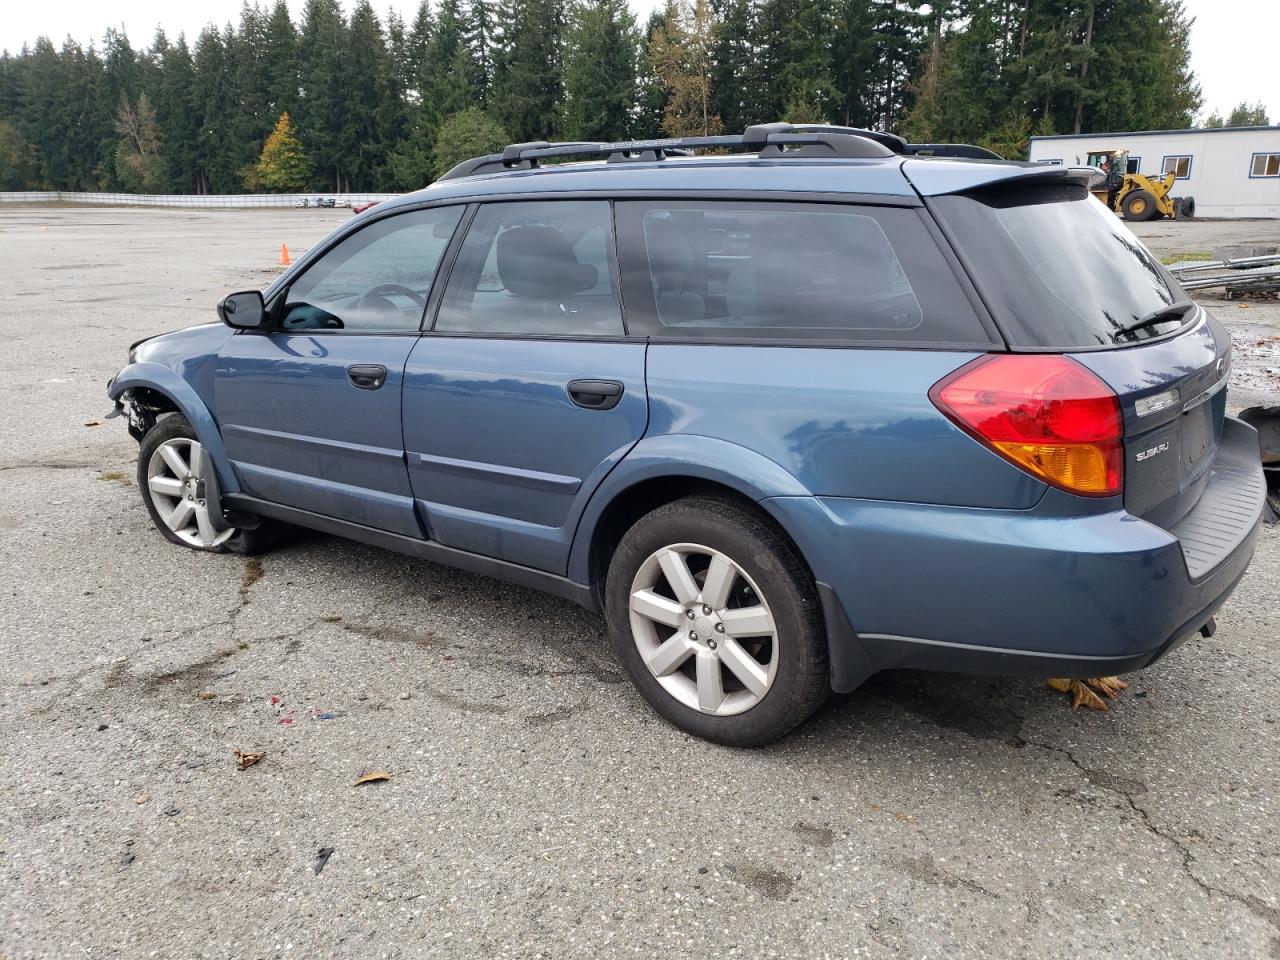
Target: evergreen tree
x=600, y=70
x=324, y=116
x=735, y=74
x=280, y=52
x=450, y=67
x=794, y=77
x=651, y=95
x=370, y=109
x=899, y=33
x=177, y=116
x=526, y=68
x=481, y=41
x=17, y=159
x=370, y=99
x=852, y=52
x=213, y=100
x=1248, y=115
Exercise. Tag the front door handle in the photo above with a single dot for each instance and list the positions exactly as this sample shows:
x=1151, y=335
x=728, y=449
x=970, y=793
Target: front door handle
x=367, y=376
x=595, y=394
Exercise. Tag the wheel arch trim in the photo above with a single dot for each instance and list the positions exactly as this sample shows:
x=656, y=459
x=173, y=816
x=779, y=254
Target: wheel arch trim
x=163, y=380
x=679, y=457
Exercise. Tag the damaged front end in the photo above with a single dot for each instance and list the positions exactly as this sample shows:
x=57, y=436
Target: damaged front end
x=142, y=408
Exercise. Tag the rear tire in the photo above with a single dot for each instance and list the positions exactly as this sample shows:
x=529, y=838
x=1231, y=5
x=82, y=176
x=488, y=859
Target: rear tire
x=174, y=499
x=1138, y=205
x=1188, y=211
x=716, y=620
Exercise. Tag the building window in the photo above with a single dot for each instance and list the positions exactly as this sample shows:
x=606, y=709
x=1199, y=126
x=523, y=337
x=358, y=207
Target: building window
x=1181, y=167
x=1135, y=165
x=1265, y=165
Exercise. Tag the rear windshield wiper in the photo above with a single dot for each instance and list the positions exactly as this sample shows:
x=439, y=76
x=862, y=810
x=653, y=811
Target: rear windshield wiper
x=1178, y=310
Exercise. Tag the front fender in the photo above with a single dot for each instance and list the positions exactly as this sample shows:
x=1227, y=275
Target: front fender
x=680, y=456
x=162, y=379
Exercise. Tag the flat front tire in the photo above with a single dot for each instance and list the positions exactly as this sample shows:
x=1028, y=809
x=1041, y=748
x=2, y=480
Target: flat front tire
x=171, y=479
x=716, y=620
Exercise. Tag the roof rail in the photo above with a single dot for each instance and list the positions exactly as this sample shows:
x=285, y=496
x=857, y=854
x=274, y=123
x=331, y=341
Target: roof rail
x=767, y=140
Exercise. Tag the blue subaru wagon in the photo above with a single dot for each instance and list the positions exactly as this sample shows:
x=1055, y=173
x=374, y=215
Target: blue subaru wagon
x=789, y=408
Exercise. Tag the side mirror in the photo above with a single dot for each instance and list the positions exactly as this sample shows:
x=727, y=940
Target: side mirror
x=244, y=310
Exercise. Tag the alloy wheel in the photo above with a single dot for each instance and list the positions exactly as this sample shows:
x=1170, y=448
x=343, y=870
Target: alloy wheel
x=704, y=629
x=175, y=482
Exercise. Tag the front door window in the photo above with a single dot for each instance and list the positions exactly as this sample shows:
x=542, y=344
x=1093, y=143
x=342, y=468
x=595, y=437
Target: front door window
x=376, y=280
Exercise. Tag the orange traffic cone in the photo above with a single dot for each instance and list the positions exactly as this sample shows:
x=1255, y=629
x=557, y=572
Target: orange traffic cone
x=284, y=255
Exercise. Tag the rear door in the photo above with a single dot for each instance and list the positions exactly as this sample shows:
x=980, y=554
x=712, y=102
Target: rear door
x=1063, y=274
x=310, y=409
x=527, y=391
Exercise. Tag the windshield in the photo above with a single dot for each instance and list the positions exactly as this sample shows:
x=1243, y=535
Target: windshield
x=1060, y=269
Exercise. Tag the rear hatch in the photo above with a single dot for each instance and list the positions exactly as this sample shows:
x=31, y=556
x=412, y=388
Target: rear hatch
x=1062, y=274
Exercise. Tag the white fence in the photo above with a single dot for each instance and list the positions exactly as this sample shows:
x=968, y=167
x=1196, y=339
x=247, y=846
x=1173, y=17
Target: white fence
x=192, y=200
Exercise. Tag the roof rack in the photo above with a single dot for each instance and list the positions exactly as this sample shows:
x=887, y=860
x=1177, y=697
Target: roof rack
x=899, y=145
x=767, y=140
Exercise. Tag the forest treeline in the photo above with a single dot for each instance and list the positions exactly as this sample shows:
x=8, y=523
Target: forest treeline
x=349, y=102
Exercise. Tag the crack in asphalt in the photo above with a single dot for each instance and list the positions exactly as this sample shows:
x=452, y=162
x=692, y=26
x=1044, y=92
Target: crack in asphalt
x=1117, y=785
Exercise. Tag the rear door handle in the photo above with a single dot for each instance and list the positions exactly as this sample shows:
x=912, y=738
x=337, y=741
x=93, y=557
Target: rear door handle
x=367, y=376
x=595, y=394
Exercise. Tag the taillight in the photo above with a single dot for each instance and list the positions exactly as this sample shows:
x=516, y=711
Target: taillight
x=1047, y=414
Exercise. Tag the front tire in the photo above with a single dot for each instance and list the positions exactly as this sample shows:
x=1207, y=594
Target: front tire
x=170, y=477
x=1138, y=205
x=716, y=620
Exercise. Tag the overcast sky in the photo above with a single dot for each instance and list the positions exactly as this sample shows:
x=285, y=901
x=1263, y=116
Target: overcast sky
x=1233, y=42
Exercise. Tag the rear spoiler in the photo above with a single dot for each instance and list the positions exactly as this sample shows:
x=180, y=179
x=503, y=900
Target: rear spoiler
x=940, y=179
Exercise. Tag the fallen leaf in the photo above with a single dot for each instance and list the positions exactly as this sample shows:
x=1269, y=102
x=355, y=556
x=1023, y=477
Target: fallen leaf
x=247, y=760
x=142, y=797
x=373, y=776
x=207, y=695
x=1084, y=693
x=322, y=857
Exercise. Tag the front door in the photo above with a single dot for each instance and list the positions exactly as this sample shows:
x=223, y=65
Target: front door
x=527, y=392
x=310, y=408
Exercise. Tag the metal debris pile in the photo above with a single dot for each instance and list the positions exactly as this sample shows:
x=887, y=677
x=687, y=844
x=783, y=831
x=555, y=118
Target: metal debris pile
x=1242, y=276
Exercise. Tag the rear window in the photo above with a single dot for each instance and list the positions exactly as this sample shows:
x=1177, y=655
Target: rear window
x=1057, y=267
x=742, y=270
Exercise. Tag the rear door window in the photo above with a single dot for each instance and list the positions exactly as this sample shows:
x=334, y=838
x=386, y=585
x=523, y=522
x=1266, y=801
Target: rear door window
x=1058, y=268
x=745, y=270
x=535, y=269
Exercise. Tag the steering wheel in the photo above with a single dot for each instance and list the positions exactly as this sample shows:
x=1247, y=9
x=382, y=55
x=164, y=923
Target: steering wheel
x=384, y=289
x=304, y=316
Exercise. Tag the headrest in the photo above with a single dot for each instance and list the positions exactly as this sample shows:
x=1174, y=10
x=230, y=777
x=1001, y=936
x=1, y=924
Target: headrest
x=538, y=262
x=670, y=252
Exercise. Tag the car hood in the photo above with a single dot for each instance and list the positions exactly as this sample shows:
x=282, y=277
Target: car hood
x=180, y=346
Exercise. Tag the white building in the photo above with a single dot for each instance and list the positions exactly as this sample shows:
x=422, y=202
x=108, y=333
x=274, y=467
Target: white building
x=1231, y=171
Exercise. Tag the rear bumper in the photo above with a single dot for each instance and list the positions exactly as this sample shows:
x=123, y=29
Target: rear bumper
x=1041, y=592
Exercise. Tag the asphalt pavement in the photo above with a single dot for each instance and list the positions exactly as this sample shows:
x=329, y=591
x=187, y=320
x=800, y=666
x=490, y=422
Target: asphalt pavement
x=535, y=807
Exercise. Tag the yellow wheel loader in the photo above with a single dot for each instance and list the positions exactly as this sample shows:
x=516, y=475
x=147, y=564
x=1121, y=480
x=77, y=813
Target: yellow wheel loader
x=1134, y=195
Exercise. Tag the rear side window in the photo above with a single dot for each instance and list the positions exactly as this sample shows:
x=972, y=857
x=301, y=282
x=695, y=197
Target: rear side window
x=535, y=269
x=788, y=271
x=1059, y=269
